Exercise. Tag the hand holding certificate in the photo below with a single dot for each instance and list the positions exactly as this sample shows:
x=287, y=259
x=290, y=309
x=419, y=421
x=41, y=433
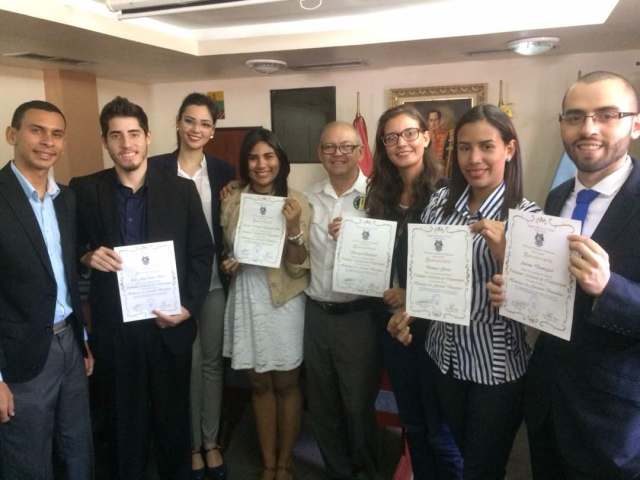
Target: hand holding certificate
x=364, y=252
x=539, y=290
x=260, y=233
x=439, y=273
x=148, y=280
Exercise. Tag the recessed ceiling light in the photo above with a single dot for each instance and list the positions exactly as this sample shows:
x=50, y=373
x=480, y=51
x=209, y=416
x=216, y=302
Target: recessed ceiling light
x=266, y=65
x=534, y=45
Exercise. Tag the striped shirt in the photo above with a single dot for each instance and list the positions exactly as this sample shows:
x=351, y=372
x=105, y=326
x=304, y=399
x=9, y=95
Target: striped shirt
x=492, y=349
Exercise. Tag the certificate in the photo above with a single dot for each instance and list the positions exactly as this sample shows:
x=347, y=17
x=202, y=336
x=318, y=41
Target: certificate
x=439, y=273
x=148, y=280
x=260, y=232
x=539, y=289
x=364, y=252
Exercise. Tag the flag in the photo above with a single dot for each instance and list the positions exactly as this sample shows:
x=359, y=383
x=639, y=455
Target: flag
x=366, y=162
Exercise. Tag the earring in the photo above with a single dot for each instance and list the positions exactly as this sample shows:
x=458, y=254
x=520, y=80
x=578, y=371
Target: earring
x=508, y=159
x=211, y=136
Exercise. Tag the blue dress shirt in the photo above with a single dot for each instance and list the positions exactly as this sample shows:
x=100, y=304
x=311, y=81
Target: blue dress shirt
x=45, y=214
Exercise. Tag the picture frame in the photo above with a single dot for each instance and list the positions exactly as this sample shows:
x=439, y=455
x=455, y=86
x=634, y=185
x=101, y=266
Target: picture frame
x=451, y=100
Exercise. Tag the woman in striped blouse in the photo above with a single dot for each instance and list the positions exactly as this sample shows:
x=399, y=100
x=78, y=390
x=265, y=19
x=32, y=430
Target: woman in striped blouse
x=479, y=369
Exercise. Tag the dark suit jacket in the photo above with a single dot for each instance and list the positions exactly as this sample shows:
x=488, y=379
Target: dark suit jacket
x=174, y=212
x=27, y=285
x=592, y=383
x=220, y=173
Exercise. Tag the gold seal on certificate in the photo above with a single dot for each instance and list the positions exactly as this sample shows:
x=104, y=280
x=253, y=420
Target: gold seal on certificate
x=362, y=265
x=261, y=229
x=148, y=280
x=439, y=273
x=539, y=289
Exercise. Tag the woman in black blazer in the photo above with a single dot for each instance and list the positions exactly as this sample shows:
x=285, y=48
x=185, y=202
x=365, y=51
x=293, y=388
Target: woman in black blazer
x=195, y=126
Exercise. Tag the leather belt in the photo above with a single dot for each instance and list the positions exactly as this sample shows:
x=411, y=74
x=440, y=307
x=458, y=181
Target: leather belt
x=344, y=307
x=61, y=326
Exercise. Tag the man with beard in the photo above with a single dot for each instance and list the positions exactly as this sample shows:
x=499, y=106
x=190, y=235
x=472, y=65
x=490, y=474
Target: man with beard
x=145, y=364
x=583, y=396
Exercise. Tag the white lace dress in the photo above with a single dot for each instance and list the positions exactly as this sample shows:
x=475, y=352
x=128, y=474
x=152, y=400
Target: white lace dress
x=258, y=335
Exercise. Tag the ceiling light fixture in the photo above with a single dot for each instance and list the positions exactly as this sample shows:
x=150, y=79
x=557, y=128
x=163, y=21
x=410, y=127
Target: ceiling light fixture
x=533, y=45
x=266, y=65
x=310, y=5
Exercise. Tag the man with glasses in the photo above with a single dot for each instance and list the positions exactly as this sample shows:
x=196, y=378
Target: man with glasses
x=583, y=396
x=340, y=348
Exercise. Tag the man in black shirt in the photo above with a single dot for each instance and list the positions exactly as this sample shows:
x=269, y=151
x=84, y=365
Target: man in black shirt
x=145, y=364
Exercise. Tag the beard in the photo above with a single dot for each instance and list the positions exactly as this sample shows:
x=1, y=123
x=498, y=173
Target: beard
x=596, y=161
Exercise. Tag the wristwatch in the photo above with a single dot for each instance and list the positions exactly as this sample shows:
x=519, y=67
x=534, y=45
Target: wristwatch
x=296, y=239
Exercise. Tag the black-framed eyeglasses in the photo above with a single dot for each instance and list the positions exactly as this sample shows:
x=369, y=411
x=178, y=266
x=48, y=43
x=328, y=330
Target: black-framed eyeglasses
x=409, y=134
x=604, y=117
x=332, y=148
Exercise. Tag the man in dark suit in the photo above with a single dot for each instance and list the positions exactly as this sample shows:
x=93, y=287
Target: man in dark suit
x=43, y=385
x=145, y=363
x=582, y=402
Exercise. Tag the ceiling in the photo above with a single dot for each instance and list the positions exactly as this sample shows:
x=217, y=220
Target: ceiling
x=216, y=43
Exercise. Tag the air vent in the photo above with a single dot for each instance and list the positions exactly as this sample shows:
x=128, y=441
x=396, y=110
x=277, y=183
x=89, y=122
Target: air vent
x=46, y=58
x=329, y=65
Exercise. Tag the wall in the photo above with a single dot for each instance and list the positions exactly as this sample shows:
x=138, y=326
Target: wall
x=17, y=85
x=534, y=85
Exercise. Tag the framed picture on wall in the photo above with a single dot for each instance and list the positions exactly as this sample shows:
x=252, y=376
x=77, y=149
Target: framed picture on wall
x=450, y=100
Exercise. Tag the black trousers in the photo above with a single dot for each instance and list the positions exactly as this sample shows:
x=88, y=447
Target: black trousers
x=148, y=398
x=484, y=420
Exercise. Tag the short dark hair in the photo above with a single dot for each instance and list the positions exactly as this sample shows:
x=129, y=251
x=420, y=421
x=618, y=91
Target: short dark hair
x=512, y=170
x=122, y=107
x=602, y=75
x=254, y=137
x=199, y=99
x=434, y=110
x=18, y=114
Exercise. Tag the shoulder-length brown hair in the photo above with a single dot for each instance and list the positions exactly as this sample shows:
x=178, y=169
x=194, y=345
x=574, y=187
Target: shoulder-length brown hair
x=254, y=137
x=512, y=170
x=385, y=184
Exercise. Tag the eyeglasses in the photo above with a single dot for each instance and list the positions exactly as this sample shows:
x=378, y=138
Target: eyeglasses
x=409, y=134
x=604, y=117
x=332, y=148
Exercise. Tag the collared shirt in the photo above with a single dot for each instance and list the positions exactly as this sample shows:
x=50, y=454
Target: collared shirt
x=492, y=349
x=132, y=211
x=327, y=205
x=607, y=189
x=203, y=185
x=45, y=214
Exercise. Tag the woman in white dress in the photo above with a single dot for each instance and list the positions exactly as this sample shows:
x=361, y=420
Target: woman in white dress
x=264, y=318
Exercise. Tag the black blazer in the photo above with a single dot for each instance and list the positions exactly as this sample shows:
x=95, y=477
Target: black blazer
x=27, y=285
x=220, y=173
x=592, y=383
x=174, y=212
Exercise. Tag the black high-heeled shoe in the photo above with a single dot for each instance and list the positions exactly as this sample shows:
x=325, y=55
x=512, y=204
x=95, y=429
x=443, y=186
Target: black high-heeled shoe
x=215, y=473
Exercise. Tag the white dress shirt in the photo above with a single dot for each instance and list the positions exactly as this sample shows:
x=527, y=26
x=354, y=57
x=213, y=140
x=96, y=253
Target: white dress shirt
x=327, y=205
x=201, y=179
x=607, y=189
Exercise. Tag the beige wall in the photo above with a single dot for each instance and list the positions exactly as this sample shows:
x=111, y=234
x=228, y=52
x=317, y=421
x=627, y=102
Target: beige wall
x=534, y=85
x=17, y=85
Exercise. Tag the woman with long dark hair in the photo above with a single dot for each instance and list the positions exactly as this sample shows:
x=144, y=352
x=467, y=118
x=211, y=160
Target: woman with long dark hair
x=264, y=319
x=402, y=182
x=195, y=127
x=479, y=369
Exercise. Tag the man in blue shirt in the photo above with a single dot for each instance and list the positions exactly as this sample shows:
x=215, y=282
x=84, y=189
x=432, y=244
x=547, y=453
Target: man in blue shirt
x=44, y=360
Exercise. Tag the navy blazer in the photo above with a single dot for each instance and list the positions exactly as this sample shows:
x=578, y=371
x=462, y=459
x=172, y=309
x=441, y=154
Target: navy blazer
x=27, y=285
x=174, y=212
x=591, y=385
x=220, y=173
